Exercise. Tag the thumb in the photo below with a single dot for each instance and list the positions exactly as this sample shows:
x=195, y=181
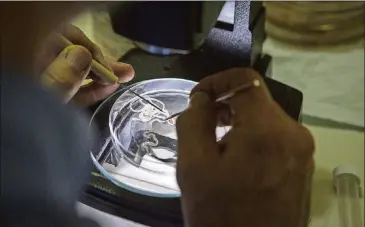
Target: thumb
x=67, y=72
x=196, y=129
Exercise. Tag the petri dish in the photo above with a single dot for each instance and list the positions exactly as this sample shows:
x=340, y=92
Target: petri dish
x=137, y=148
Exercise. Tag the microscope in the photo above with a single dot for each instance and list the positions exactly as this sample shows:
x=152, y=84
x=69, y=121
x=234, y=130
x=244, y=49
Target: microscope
x=189, y=40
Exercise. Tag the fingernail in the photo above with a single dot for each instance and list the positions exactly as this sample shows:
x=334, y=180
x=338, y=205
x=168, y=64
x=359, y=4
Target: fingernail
x=200, y=99
x=125, y=65
x=79, y=57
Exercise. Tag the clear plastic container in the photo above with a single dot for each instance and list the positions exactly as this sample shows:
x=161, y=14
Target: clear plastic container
x=347, y=185
x=139, y=130
x=316, y=23
x=137, y=149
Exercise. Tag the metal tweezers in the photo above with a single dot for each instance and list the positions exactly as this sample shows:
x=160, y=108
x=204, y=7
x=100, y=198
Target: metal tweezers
x=230, y=94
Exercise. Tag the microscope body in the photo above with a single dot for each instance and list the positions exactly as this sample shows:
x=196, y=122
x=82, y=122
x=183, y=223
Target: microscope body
x=172, y=25
x=192, y=40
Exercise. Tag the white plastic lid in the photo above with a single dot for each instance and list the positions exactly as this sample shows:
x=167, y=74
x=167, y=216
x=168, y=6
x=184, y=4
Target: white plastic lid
x=345, y=169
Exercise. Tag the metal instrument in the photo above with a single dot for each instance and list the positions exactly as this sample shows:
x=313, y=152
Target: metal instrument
x=105, y=74
x=228, y=95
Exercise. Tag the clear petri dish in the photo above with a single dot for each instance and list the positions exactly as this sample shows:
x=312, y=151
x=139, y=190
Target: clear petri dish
x=137, y=148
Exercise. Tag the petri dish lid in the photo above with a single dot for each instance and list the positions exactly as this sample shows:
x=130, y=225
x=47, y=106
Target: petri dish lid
x=127, y=152
x=136, y=148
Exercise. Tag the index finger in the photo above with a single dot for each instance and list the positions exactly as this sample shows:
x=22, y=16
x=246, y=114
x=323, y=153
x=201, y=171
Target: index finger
x=244, y=104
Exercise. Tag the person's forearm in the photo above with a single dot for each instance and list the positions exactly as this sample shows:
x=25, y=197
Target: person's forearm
x=45, y=156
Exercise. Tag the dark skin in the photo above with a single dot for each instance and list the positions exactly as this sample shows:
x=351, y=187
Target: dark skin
x=261, y=168
x=50, y=59
x=259, y=174
x=27, y=44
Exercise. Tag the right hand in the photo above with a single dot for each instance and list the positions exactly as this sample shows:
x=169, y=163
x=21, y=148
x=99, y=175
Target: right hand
x=259, y=174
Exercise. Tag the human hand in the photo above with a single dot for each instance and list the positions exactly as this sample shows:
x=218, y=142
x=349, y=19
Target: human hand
x=65, y=68
x=259, y=174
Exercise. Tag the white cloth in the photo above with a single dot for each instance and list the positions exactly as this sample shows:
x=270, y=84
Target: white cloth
x=332, y=81
x=97, y=26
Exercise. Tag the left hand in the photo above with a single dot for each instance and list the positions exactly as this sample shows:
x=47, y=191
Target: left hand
x=65, y=68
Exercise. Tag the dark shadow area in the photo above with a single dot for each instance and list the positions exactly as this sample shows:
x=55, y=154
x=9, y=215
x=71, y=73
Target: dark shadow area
x=326, y=123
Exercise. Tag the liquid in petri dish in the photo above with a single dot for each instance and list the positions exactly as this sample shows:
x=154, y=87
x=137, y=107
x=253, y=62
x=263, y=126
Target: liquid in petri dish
x=146, y=143
x=142, y=146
